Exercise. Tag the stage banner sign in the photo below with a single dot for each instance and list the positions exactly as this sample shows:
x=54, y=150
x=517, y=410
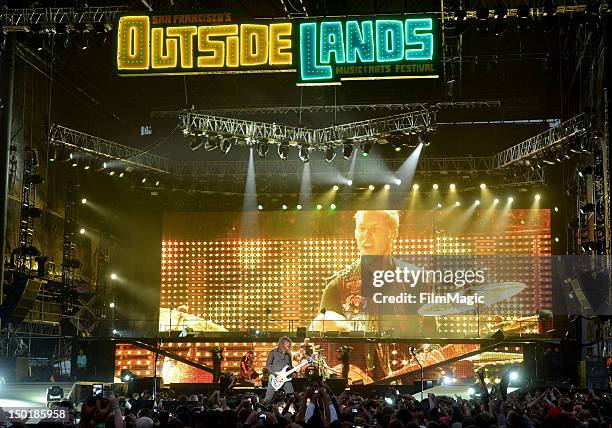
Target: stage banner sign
x=319, y=51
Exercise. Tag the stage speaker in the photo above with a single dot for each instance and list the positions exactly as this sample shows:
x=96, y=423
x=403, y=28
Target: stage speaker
x=20, y=299
x=301, y=333
x=595, y=374
x=140, y=384
x=332, y=333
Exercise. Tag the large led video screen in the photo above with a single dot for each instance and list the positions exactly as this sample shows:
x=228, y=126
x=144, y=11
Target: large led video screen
x=281, y=270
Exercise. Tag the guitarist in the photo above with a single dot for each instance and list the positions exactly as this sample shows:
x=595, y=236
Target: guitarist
x=247, y=369
x=279, y=358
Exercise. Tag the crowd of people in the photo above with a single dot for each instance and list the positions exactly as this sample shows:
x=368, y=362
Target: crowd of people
x=318, y=406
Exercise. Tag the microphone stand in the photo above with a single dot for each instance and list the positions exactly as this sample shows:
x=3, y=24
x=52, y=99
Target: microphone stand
x=421, y=366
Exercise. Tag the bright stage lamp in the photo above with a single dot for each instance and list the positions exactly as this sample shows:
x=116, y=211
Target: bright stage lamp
x=284, y=206
x=435, y=186
x=387, y=187
x=84, y=201
x=398, y=181
x=371, y=187
x=260, y=207
x=439, y=205
x=457, y=203
x=349, y=182
x=333, y=206
x=452, y=186
x=111, y=305
x=446, y=380
x=113, y=276
x=556, y=209
x=510, y=199
x=335, y=187
x=82, y=231
x=483, y=186
x=476, y=202
x=415, y=186
x=471, y=391
x=514, y=376
x=299, y=207
x=537, y=197
x=319, y=206
x=495, y=201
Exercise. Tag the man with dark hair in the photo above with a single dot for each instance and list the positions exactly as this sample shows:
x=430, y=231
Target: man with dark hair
x=217, y=357
x=278, y=359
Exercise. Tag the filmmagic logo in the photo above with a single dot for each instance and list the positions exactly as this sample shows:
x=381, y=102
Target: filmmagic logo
x=425, y=298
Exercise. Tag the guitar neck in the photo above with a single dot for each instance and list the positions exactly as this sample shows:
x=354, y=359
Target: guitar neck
x=296, y=368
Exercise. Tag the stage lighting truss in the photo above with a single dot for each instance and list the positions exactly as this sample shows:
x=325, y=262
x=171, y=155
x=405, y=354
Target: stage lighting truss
x=25, y=19
x=417, y=121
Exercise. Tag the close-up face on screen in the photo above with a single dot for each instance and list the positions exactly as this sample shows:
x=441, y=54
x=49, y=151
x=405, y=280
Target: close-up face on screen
x=304, y=269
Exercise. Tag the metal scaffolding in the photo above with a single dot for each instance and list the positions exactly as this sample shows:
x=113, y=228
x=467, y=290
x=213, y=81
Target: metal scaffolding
x=273, y=133
x=23, y=19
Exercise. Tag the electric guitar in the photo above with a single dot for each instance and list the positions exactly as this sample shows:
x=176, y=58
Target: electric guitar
x=278, y=380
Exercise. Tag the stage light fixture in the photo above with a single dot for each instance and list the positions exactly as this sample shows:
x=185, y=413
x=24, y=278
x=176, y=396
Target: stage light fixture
x=111, y=173
x=398, y=181
x=111, y=305
x=126, y=375
x=284, y=206
x=84, y=201
x=435, y=186
x=226, y=145
x=476, y=202
x=333, y=206
x=113, y=276
x=82, y=231
x=283, y=151
x=144, y=180
x=537, y=197
x=415, y=186
x=84, y=41
x=549, y=8
x=349, y=182
x=87, y=166
x=556, y=239
x=335, y=187
x=387, y=187
x=299, y=206
x=259, y=207
x=196, y=142
x=510, y=199
x=330, y=153
x=452, y=186
x=319, y=206
x=495, y=201
x=347, y=149
x=121, y=174
x=482, y=16
x=365, y=146
x=157, y=183
x=483, y=186
x=304, y=153
x=424, y=138
x=556, y=209
x=439, y=205
x=501, y=10
x=211, y=142
x=53, y=155
x=75, y=163
x=457, y=203
x=262, y=148
x=115, y=331
x=471, y=391
x=371, y=187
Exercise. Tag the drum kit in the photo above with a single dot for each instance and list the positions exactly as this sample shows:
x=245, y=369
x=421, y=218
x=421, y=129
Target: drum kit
x=492, y=294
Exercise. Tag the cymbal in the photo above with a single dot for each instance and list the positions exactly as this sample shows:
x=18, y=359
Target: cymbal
x=492, y=294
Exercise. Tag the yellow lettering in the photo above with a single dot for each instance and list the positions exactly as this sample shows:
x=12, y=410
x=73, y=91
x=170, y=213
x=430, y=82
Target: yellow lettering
x=215, y=49
x=185, y=35
x=253, y=44
x=158, y=59
x=280, y=52
x=133, y=43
